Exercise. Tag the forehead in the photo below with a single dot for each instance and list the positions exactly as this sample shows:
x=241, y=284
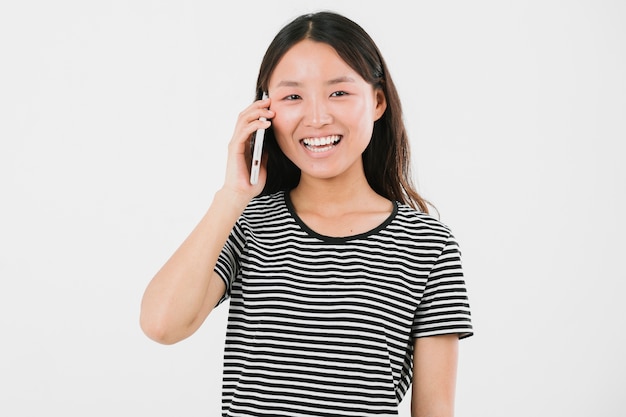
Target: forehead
x=308, y=60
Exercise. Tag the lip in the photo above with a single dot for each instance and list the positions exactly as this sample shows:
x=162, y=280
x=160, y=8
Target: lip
x=320, y=145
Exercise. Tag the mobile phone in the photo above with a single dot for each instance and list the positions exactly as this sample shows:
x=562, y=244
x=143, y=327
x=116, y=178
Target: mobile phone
x=257, y=151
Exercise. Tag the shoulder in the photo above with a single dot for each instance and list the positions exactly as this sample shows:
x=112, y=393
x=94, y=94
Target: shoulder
x=266, y=209
x=417, y=232
x=274, y=201
x=414, y=221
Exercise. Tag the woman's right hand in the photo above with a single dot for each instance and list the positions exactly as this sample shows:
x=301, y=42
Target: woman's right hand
x=239, y=155
x=186, y=289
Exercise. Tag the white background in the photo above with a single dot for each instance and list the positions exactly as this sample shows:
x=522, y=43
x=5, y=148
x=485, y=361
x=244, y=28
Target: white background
x=114, y=120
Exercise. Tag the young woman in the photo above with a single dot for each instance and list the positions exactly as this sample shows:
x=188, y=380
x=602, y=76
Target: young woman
x=343, y=290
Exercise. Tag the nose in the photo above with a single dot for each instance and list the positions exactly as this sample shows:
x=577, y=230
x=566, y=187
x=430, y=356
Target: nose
x=316, y=113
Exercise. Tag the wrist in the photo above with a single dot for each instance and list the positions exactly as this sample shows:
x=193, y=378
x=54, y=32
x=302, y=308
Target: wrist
x=232, y=200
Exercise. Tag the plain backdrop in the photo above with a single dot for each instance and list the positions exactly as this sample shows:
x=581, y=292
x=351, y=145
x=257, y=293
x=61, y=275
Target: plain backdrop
x=114, y=121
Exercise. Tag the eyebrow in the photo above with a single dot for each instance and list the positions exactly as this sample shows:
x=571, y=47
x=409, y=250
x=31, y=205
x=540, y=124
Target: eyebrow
x=338, y=80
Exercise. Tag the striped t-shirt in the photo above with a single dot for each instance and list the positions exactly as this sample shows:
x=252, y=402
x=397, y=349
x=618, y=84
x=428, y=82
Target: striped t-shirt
x=324, y=326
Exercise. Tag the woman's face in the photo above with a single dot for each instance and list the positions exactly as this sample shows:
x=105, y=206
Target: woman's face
x=325, y=111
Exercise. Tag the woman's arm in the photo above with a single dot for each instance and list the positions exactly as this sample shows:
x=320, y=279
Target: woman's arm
x=183, y=293
x=434, y=376
x=185, y=290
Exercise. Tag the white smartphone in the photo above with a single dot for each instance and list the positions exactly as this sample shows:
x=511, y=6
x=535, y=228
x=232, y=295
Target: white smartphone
x=257, y=151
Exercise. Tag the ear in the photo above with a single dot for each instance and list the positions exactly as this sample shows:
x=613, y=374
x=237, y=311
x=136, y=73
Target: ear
x=381, y=103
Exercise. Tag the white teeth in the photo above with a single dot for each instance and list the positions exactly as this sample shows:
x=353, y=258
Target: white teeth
x=310, y=143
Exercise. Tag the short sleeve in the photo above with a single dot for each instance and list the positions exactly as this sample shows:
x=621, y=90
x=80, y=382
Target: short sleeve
x=228, y=262
x=444, y=307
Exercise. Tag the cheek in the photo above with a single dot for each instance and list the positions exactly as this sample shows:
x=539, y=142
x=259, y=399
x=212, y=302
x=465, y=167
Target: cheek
x=359, y=117
x=284, y=122
x=281, y=133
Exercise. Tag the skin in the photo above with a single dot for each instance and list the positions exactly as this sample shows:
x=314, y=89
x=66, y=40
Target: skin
x=314, y=94
x=434, y=376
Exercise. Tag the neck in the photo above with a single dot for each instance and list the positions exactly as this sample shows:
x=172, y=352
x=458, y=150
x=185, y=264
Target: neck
x=336, y=195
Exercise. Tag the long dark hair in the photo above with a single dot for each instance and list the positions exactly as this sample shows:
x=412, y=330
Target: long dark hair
x=386, y=160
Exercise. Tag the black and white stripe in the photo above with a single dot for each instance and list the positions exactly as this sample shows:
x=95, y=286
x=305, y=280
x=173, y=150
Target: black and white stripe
x=322, y=326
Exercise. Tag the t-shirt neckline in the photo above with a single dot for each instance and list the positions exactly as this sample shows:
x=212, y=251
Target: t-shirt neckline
x=336, y=239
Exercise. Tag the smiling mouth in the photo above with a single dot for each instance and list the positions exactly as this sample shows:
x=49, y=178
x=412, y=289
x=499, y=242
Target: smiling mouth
x=321, y=144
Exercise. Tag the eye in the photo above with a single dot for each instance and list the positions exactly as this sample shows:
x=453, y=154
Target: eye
x=292, y=97
x=339, y=94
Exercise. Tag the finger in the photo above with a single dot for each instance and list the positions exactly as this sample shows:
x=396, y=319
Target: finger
x=258, y=114
x=259, y=108
x=251, y=119
x=242, y=137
